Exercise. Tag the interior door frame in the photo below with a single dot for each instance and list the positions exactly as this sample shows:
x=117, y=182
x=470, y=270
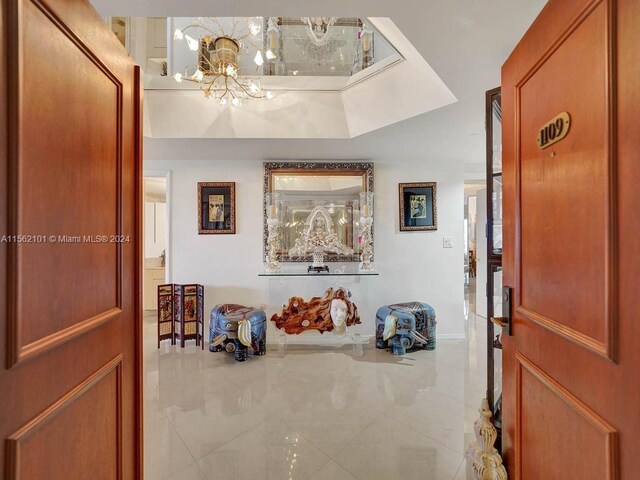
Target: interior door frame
x=494, y=260
x=166, y=174
x=139, y=201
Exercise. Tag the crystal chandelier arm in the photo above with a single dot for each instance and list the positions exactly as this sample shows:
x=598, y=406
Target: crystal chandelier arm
x=196, y=26
x=212, y=81
x=215, y=20
x=233, y=30
x=201, y=82
x=213, y=70
x=244, y=88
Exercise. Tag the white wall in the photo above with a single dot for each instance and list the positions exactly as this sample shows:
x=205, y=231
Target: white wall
x=155, y=224
x=412, y=265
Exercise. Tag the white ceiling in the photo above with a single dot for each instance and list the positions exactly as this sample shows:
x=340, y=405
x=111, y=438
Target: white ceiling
x=403, y=89
x=464, y=41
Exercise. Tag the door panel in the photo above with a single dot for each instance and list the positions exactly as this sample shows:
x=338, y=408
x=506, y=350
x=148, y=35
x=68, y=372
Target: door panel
x=70, y=255
x=571, y=248
x=64, y=430
x=91, y=132
x=543, y=403
x=564, y=203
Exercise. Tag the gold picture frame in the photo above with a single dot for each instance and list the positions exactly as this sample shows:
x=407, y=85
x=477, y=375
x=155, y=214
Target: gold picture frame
x=418, y=206
x=216, y=208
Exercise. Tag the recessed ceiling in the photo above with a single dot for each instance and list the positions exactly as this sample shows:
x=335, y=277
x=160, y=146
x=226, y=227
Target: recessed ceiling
x=465, y=41
x=324, y=90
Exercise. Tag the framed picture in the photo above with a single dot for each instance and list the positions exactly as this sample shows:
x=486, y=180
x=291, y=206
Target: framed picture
x=418, y=207
x=216, y=207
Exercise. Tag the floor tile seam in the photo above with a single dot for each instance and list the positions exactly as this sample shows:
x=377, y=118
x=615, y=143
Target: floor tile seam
x=181, y=439
x=186, y=448
x=334, y=457
x=204, y=475
x=310, y=443
x=305, y=439
x=350, y=442
x=425, y=435
x=197, y=460
x=462, y=466
x=256, y=426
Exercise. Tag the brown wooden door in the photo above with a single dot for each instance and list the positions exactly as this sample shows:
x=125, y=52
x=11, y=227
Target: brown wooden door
x=69, y=295
x=571, y=393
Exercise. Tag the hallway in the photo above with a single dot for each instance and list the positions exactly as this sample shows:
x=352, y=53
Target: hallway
x=359, y=417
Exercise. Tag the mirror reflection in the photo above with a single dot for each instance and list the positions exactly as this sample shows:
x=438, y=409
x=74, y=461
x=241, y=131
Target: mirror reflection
x=335, y=187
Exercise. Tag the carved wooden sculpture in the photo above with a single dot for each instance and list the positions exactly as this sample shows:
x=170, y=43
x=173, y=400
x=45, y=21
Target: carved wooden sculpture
x=486, y=462
x=334, y=311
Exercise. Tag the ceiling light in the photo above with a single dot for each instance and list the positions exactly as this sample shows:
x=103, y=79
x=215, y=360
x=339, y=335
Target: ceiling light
x=254, y=28
x=217, y=68
x=192, y=42
x=319, y=28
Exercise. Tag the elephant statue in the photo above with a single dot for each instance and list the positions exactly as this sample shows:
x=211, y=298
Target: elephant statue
x=236, y=328
x=403, y=326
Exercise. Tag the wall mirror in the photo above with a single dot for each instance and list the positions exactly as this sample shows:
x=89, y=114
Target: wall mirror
x=304, y=185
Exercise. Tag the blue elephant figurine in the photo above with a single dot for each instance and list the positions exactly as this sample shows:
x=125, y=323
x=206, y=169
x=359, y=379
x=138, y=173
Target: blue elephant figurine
x=236, y=328
x=403, y=326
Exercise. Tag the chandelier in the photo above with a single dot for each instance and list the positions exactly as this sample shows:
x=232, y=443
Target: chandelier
x=319, y=28
x=219, y=42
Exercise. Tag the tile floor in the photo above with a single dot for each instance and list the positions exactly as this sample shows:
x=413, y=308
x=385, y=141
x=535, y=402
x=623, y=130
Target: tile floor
x=368, y=417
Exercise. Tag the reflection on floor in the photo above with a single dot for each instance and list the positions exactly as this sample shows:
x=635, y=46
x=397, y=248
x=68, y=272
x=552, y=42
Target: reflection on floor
x=316, y=413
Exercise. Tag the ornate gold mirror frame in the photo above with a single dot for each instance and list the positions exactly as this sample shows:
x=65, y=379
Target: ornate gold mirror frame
x=297, y=207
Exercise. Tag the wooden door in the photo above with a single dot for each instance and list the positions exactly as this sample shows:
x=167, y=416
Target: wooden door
x=70, y=313
x=571, y=393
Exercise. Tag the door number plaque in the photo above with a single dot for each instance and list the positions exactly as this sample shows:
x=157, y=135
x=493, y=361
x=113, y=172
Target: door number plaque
x=554, y=130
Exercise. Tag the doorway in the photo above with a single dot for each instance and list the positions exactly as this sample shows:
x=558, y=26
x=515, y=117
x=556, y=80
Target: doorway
x=156, y=239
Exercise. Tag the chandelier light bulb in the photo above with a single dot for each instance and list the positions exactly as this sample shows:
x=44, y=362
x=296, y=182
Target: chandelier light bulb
x=219, y=60
x=258, y=58
x=254, y=28
x=198, y=76
x=269, y=95
x=192, y=42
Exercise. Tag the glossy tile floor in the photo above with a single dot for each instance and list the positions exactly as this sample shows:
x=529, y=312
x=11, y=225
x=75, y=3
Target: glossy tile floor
x=319, y=413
